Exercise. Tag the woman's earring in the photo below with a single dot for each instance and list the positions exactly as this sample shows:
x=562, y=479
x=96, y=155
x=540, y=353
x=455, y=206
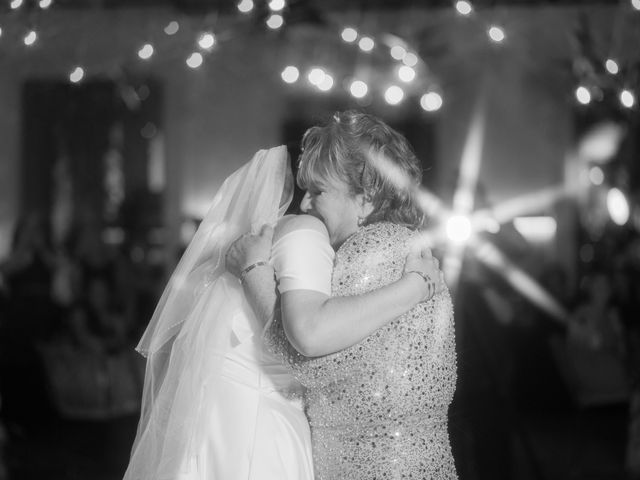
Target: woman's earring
x=360, y=221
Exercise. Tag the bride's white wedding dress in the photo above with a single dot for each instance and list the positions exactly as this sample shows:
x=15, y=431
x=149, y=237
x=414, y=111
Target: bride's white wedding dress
x=216, y=404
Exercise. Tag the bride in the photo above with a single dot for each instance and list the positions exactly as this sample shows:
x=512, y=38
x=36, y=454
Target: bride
x=218, y=404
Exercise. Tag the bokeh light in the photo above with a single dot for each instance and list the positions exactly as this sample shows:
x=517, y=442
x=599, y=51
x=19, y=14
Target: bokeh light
x=406, y=73
x=194, y=60
x=275, y=21
x=612, y=66
x=245, y=6
x=76, y=75
x=172, y=28
x=618, y=206
x=496, y=34
x=463, y=7
x=349, y=35
x=393, y=95
x=627, y=98
x=583, y=95
x=146, y=51
x=431, y=101
x=358, y=88
x=290, y=74
x=366, y=44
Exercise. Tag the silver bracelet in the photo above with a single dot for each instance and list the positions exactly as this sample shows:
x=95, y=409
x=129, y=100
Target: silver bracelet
x=246, y=270
x=431, y=285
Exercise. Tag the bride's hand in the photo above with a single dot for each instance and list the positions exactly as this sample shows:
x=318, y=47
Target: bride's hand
x=248, y=250
x=420, y=262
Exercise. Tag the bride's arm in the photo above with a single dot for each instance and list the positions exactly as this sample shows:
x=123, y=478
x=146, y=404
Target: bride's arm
x=259, y=282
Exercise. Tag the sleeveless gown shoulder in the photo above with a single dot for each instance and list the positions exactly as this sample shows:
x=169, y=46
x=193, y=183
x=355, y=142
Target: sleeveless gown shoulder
x=379, y=409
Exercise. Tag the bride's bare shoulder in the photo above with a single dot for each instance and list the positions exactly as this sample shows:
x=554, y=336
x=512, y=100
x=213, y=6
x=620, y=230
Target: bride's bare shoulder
x=291, y=223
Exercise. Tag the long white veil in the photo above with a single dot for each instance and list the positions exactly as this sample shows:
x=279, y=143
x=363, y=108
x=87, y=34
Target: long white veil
x=190, y=330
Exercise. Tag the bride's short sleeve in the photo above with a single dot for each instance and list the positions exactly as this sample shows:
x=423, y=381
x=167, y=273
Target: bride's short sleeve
x=303, y=260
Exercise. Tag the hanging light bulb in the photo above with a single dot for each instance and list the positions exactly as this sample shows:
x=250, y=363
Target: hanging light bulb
x=206, y=41
x=194, y=60
x=275, y=21
x=30, y=38
x=146, y=51
x=290, y=74
x=349, y=35
x=76, y=74
x=245, y=6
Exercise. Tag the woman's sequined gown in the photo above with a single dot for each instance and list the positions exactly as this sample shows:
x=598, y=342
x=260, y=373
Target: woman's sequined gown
x=378, y=410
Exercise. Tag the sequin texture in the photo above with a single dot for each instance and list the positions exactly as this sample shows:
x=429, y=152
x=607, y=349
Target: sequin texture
x=378, y=410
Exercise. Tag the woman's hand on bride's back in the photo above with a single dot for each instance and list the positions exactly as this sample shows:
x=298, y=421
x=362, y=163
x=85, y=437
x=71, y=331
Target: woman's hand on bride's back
x=420, y=262
x=248, y=250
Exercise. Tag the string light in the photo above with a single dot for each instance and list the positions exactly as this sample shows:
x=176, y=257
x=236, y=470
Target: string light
x=276, y=5
x=76, y=75
x=410, y=59
x=172, y=28
x=596, y=175
x=583, y=95
x=275, y=21
x=15, y=4
x=406, y=73
x=146, y=51
x=245, y=6
x=358, y=88
x=315, y=76
x=194, y=60
x=30, y=38
x=612, y=66
x=290, y=74
x=206, y=41
x=327, y=83
x=463, y=7
x=44, y=4
x=398, y=52
x=349, y=35
x=431, y=101
x=496, y=34
x=393, y=95
x=366, y=44
x=627, y=98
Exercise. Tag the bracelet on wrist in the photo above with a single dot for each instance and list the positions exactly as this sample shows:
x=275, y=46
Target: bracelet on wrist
x=431, y=285
x=246, y=270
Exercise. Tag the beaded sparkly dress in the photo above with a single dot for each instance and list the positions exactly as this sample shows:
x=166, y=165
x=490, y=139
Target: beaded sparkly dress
x=378, y=409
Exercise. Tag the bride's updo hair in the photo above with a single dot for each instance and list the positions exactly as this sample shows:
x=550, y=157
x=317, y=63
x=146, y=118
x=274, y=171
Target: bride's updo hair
x=371, y=158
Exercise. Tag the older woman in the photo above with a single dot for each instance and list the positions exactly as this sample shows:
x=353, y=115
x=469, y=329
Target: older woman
x=379, y=382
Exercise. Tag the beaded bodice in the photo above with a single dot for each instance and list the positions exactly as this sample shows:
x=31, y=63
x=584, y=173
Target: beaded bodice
x=378, y=409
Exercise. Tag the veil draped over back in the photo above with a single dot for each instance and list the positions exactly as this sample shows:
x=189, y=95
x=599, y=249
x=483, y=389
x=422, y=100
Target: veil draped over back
x=190, y=331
